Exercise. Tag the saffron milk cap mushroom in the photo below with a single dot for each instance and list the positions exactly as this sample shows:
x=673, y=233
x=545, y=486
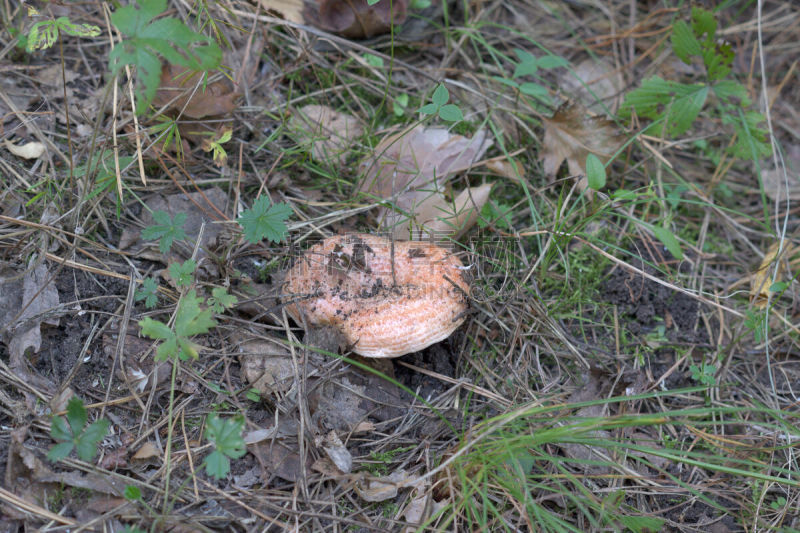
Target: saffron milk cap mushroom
x=387, y=298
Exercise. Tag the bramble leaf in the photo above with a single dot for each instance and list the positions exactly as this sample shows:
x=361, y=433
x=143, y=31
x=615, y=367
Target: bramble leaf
x=148, y=292
x=183, y=273
x=74, y=434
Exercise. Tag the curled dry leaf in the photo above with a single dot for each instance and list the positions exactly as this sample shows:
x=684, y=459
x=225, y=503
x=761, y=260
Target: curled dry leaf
x=356, y=19
x=383, y=488
x=147, y=451
x=327, y=133
x=337, y=452
x=291, y=10
x=26, y=302
x=31, y=150
x=571, y=135
x=768, y=273
x=185, y=91
x=778, y=185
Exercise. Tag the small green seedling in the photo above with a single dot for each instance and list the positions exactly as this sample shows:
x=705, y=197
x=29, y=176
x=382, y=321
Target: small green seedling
x=254, y=395
x=72, y=432
x=226, y=435
x=166, y=230
x=439, y=106
x=183, y=273
x=190, y=320
x=147, y=292
x=214, y=145
x=220, y=300
x=265, y=220
x=150, y=37
x=704, y=374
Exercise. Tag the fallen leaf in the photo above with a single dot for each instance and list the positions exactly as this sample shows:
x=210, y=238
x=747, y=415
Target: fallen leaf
x=291, y=10
x=186, y=92
x=356, y=19
x=434, y=215
x=279, y=460
x=337, y=452
x=767, y=274
x=35, y=295
x=506, y=167
x=418, y=158
x=148, y=450
x=595, y=83
x=326, y=132
x=411, y=170
x=383, y=488
x=571, y=135
x=31, y=150
x=266, y=365
x=777, y=185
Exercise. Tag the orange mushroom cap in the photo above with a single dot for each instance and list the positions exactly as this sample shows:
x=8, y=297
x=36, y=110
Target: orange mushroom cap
x=386, y=299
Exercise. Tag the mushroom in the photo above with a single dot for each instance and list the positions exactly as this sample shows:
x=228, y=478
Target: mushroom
x=387, y=298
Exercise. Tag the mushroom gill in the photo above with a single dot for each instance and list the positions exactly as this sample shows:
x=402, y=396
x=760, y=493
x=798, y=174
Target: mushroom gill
x=388, y=299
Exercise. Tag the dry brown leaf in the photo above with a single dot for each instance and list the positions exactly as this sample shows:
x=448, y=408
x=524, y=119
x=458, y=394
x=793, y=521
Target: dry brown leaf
x=291, y=10
x=595, y=83
x=506, y=167
x=266, y=365
x=433, y=214
x=328, y=133
x=418, y=158
x=147, y=451
x=383, y=488
x=766, y=275
x=337, y=452
x=31, y=150
x=184, y=91
x=571, y=135
x=356, y=19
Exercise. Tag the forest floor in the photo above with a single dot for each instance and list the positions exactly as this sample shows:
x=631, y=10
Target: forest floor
x=618, y=179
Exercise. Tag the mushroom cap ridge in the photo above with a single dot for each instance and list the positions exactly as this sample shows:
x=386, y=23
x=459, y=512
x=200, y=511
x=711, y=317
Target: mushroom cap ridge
x=347, y=281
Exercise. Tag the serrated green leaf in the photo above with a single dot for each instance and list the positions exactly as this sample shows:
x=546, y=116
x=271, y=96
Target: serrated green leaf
x=147, y=292
x=264, y=221
x=676, y=103
x=166, y=229
x=76, y=415
x=190, y=320
x=727, y=90
x=59, y=429
x=684, y=43
x=149, y=38
x=226, y=434
x=60, y=451
x=669, y=240
x=451, y=113
x=89, y=439
x=752, y=141
x=78, y=30
x=167, y=350
x=221, y=300
x=595, y=172
x=703, y=23
x=217, y=465
x=155, y=329
x=42, y=35
x=440, y=96
x=183, y=273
